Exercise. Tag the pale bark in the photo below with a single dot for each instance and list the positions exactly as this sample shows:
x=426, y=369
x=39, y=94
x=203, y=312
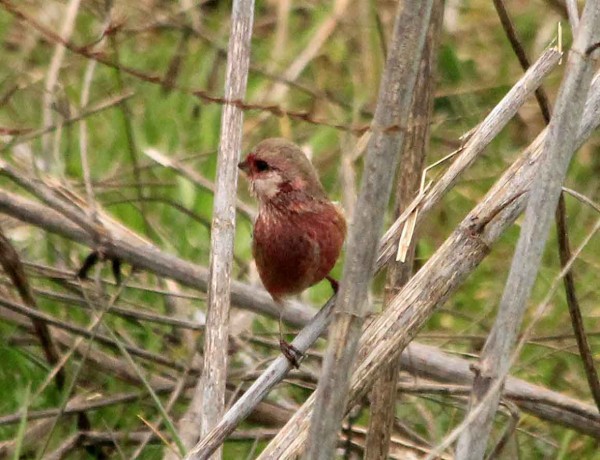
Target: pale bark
x=383, y=394
x=393, y=107
x=208, y=402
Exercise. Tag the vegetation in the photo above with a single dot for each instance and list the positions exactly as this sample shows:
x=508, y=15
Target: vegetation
x=137, y=95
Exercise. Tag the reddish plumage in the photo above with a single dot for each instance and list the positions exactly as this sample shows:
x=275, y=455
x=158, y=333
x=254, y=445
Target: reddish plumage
x=299, y=232
x=296, y=244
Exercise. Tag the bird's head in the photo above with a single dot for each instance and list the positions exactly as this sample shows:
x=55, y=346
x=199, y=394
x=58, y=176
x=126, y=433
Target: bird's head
x=277, y=166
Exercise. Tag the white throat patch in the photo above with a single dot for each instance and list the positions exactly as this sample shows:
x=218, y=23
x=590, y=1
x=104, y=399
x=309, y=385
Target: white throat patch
x=267, y=185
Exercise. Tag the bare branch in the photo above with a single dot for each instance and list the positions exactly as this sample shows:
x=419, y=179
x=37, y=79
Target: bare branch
x=583, y=345
x=209, y=397
x=383, y=394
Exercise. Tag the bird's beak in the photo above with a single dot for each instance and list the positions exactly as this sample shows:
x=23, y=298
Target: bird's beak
x=244, y=166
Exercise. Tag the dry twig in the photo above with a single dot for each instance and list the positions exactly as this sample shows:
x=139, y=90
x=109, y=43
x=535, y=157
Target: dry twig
x=209, y=398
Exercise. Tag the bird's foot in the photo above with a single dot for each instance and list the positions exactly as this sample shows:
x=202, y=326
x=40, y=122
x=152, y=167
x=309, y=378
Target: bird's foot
x=92, y=259
x=293, y=355
x=335, y=285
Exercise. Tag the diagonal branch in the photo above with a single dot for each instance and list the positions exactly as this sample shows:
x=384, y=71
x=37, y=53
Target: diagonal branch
x=573, y=303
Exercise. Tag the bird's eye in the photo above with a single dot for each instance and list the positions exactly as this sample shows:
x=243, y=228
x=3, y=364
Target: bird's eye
x=261, y=165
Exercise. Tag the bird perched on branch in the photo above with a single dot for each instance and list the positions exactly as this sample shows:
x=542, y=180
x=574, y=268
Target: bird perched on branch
x=299, y=232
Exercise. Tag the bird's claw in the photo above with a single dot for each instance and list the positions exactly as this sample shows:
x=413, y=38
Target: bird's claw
x=293, y=355
x=335, y=285
x=93, y=258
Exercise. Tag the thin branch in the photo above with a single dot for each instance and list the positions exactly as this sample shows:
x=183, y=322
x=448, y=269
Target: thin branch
x=52, y=77
x=165, y=416
x=573, y=303
x=76, y=406
x=126, y=118
x=137, y=314
x=519, y=50
x=11, y=263
x=97, y=108
x=157, y=79
x=209, y=397
x=83, y=140
x=50, y=320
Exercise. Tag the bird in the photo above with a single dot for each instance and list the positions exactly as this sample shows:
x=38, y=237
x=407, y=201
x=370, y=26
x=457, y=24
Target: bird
x=299, y=232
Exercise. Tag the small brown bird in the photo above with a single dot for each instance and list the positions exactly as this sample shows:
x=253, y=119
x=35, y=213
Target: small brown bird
x=299, y=232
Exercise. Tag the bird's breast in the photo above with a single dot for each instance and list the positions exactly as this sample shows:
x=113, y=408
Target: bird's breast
x=294, y=250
